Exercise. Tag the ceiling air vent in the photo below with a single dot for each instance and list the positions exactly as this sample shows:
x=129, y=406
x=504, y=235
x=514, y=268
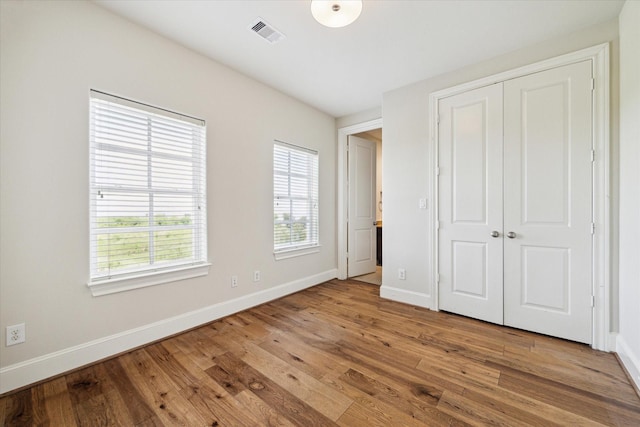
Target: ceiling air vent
x=266, y=31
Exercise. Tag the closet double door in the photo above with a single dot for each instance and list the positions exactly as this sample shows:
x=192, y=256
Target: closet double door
x=515, y=203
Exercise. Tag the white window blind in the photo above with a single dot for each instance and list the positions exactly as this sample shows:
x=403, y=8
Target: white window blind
x=295, y=197
x=147, y=195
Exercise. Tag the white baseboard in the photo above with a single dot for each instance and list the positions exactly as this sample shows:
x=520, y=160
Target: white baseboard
x=629, y=359
x=612, y=342
x=39, y=368
x=407, y=297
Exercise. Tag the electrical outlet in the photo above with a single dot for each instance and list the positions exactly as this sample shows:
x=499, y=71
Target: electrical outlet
x=234, y=281
x=402, y=274
x=15, y=334
x=256, y=276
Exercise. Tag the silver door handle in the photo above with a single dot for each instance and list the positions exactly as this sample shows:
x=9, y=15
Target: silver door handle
x=494, y=233
x=511, y=235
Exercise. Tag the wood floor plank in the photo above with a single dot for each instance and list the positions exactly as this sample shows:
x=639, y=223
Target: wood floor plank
x=159, y=392
x=547, y=368
x=58, y=403
x=474, y=413
x=315, y=393
x=136, y=406
x=220, y=408
x=525, y=410
x=18, y=409
x=177, y=410
x=305, y=358
x=3, y=411
x=598, y=408
x=418, y=381
x=179, y=375
x=421, y=410
x=199, y=347
x=40, y=416
x=154, y=385
x=95, y=399
x=265, y=414
x=338, y=354
x=368, y=410
x=517, y=406
x=471, y=369
x=581, y=376
x=294, y=409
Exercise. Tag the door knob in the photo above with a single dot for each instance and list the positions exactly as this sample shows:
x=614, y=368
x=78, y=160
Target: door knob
x=511, y=235
x=494, y=233
x=375, y=223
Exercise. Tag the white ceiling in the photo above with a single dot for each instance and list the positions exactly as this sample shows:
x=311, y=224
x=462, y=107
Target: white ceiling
x=346, y=70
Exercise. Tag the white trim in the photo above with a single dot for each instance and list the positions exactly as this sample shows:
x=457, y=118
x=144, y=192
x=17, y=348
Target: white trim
x=283, y=168
x=405, y=296
x=43, y=367
x=144, y=279
x=434, y=197
x=292, y=253
x=599, y=55
x=630, y=360
x=343, y=134
x=113, y=168
x=612, y=339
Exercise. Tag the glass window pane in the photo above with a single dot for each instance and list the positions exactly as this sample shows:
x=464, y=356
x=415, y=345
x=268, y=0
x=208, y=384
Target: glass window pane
x=295, y=185
x=148, y=187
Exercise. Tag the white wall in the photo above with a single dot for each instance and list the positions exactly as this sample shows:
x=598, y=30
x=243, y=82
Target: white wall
x=379, y=195
x=52, y=53
x=629, y=275
x=407, y=175
x=357, y=118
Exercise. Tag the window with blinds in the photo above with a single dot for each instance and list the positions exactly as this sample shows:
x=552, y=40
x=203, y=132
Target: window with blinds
x=147, y=195
x=295, y=197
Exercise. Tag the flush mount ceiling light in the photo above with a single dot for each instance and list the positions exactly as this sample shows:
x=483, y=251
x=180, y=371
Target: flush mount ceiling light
x=336, y=13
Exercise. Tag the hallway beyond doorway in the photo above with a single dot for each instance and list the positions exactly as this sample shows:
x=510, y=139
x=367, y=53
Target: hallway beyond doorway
x=373, y=278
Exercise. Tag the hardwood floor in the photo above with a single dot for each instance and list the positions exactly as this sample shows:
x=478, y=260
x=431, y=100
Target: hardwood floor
x=337, y=354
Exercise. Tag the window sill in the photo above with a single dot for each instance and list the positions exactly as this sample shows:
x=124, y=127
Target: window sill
x=292, y=253
x=142, y=280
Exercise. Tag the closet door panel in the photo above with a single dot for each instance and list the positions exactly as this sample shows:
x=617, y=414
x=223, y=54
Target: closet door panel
x=470, y=204
x=548, y=208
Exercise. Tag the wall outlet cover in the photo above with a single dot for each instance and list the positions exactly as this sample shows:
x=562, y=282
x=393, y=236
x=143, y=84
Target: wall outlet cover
x=16, y=334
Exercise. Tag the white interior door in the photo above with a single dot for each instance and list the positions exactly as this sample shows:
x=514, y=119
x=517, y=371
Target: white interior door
x=361, y=240
x=470, y=204
x=548, y=206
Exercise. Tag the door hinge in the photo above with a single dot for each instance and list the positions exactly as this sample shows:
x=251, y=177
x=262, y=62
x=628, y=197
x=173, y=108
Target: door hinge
x=593, y=84
x=593, y=301
x=437, y=225
x=437, y=278
x=438, y=119
x=593, y=155
x=437, y=170
x=593, y=228
x=347, y=255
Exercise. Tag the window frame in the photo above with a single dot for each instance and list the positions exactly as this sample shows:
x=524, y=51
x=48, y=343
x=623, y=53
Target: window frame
x=157, y=271
x=293, y=249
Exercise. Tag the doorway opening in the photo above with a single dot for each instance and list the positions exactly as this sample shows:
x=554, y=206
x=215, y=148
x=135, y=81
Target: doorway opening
x=370, y=131
x=375, y=278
